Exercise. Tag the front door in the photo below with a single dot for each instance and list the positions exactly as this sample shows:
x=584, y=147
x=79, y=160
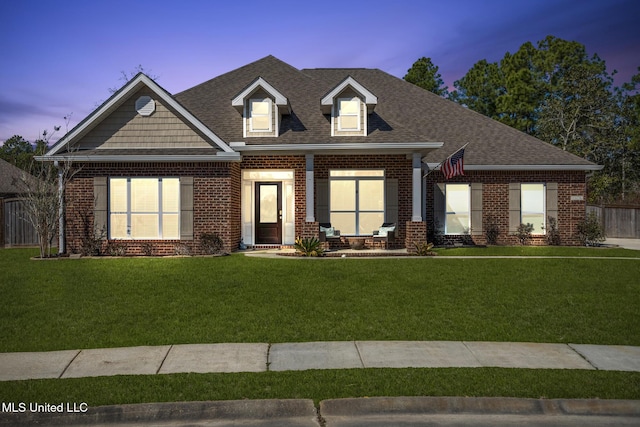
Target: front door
x=268, y=213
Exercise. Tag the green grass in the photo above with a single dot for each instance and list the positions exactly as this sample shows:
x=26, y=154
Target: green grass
x=558, y=251
x=92, y=303
x=89, y=303
x=320, y=385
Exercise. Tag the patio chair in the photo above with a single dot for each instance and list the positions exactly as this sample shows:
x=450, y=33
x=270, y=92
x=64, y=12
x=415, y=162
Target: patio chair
x=328, y=232
x=385, y=234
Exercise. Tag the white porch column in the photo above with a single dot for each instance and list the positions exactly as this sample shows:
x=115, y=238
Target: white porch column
x=416, y=194
x=310, y=217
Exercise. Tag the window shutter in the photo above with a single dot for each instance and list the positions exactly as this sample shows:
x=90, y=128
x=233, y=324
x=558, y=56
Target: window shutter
x=552, y=200
x=439, y=206
x=514, y=206
x=99, y=204
x=391, y=200
x=322, y=200
x=186, y=208
x=476, y=209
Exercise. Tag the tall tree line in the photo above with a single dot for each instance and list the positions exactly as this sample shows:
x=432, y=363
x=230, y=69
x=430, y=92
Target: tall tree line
x=555, y=91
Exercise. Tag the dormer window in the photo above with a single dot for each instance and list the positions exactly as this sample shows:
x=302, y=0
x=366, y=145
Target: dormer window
x=260, y=115
x=349, y=114
x=261, y=107
x=349, y=104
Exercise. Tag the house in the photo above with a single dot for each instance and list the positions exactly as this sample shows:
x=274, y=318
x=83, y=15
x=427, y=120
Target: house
x=267, y=152
x=15, y=227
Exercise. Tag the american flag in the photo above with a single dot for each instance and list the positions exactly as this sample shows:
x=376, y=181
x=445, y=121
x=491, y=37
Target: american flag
x=454, y=165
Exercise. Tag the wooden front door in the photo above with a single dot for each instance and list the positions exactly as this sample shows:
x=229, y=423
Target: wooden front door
x=268, y=213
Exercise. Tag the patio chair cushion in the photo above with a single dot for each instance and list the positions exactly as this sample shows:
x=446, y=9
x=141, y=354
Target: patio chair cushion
x=328, y=231
x=384, y=230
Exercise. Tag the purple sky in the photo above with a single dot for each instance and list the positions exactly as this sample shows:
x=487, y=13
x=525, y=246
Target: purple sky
x=62, y=57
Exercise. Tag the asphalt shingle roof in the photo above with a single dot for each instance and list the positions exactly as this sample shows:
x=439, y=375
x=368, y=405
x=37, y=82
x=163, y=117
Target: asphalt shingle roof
x=11, y=179
x=404, y=113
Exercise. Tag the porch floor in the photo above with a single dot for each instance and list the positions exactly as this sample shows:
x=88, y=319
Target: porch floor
x=340, y=253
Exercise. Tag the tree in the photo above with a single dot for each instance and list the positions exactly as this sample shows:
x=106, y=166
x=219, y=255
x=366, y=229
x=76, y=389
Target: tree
x=17, y=151
x=424, y=73
x=480, y=88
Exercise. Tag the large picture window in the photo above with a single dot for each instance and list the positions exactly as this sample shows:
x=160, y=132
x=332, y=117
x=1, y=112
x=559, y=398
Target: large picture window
x=532, y=206
x=356, y=201
x=458, y=208
x=144, y=208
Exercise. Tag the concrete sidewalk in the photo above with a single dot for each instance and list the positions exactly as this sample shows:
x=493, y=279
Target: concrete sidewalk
x=261, y=357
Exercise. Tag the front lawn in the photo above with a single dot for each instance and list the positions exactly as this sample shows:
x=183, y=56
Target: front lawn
x=92, y=303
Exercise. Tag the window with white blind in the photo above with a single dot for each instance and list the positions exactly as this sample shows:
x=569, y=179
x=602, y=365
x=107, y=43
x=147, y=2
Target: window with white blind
x=532, y=206
x=349, y=114
x=356, y=201
x=260, y=115
x=458, y=208
x=144, y=208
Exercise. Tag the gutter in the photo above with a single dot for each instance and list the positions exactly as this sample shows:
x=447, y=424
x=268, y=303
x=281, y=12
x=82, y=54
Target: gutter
x=592, y=167
x=220, y=157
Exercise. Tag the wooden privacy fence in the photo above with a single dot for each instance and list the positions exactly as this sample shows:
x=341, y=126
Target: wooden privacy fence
x=17, y=228
x=618, y=221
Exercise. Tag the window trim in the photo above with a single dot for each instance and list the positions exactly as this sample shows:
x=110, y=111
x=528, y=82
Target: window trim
x=160, y=211
x=544, y=207
x=358, y=114
x=269, y=114
x=380, y=175
x=447, y=213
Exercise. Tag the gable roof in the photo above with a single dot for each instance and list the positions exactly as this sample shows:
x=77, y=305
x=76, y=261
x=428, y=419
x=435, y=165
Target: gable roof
x=405, y=114
x=407, y=119
x=369, y=98
x=279, y=99
x=492, y=145
x=11, y=179
x=65, y=146
x=211, y=103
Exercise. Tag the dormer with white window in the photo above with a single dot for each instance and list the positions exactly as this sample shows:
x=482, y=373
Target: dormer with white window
x=262, y=107
x=349, y=105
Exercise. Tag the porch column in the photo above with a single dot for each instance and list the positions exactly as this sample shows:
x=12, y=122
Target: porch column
x=416, y=210
x=310, y=217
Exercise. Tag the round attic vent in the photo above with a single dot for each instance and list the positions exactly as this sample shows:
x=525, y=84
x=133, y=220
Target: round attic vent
x=145, y=106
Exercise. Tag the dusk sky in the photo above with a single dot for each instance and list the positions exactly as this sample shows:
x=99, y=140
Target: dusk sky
x=61, y=58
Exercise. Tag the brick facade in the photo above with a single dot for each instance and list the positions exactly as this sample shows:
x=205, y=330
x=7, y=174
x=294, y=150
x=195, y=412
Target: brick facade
x=495, y=202
x=217, y=192
x=216, y=203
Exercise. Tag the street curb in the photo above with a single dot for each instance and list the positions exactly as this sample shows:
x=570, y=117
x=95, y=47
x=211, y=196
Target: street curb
x=477, y=405
x=230, y=410
x=302, y=412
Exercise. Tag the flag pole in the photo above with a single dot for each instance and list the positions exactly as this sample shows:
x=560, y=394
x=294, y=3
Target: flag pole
x=442, y=162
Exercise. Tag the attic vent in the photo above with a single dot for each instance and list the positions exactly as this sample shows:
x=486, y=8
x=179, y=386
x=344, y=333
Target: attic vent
x=145, y=106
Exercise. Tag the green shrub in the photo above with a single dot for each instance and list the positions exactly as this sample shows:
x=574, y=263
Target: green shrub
x=181, y=249
x=309, y=246
x=491, y=230
x=116, y=248
x=524, y=233
x=424, y=248
x=553, y=235
x=147, y=248
x=590, y=231
x=211, y=243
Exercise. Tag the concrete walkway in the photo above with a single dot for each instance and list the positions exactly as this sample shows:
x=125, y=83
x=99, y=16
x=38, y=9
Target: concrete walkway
x=261, y=357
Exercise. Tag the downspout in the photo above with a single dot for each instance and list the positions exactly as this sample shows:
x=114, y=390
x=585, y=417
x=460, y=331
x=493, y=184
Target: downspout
x=61, y=241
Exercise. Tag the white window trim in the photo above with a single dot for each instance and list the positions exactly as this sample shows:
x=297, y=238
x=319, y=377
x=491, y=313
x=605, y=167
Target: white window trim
x=544, y=207
x=269, y=114
x=159, y=212
x=357, y=210
x=358, y=114
x=446, y=212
